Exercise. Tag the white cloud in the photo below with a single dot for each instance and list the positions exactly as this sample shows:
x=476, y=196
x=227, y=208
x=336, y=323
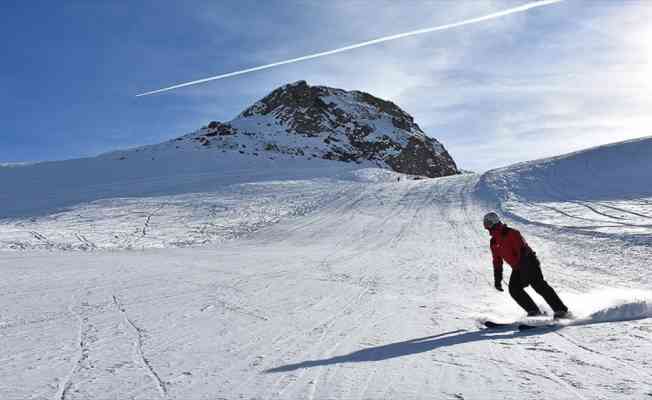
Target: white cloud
x=529, y=85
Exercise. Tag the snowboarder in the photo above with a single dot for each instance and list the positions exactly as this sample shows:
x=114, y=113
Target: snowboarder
x=508, y=244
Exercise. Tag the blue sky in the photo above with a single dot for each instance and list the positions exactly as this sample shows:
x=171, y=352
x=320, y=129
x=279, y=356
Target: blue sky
x=545, y=82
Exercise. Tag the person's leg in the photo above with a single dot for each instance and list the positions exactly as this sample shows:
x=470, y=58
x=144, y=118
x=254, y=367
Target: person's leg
x=548, y=293
x=520, y=296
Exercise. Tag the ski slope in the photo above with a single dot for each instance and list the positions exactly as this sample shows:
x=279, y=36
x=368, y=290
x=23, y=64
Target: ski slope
x=342, y=283
x=601, y=190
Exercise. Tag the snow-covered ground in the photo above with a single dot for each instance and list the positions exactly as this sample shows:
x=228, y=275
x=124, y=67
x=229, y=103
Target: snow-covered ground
x=332, y=282
x=602, y=190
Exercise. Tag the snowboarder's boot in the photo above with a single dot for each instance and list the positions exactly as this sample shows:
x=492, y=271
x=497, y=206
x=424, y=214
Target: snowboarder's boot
x=562, y=314
x=534, y=313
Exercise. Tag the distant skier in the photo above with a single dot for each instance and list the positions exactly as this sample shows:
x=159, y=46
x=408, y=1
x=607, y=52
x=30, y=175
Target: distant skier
x=508, y=244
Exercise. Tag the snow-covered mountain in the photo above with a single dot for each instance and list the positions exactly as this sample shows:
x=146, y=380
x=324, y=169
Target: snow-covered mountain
x=332, y=124
x=296, y=132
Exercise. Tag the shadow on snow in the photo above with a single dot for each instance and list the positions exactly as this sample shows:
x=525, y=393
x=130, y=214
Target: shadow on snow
x=413, y=346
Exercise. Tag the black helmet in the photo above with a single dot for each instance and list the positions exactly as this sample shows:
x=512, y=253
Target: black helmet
x=490, y=220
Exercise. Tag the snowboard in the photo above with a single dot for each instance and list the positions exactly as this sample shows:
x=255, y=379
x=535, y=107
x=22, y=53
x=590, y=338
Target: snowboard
x=519, y=326
x=496, y=325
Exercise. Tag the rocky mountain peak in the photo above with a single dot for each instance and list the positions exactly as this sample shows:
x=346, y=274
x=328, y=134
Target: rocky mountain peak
x=323, y=122
x=294, y=95
x=309, y=109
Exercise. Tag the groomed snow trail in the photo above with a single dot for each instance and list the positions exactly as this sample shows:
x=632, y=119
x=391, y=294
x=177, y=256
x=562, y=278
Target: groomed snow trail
x=371, y=295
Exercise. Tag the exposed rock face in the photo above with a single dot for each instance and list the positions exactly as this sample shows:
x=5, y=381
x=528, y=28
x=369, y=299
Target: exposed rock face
x=417, y=158
x=323, y=122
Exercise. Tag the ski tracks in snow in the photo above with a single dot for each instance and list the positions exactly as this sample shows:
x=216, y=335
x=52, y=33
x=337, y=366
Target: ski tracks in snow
x=65, y=384
x=641, y=373
x=101, y=367
x=138, y=345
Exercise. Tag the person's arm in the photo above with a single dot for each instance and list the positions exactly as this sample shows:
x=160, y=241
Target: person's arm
x=498, y=268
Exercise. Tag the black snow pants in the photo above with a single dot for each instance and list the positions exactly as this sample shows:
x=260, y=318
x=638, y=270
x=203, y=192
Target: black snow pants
x=529, y=274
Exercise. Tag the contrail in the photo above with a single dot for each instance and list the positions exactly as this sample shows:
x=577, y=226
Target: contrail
x=363, y=44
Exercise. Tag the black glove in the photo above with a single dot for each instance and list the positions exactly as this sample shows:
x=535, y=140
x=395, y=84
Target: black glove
x=498, y=278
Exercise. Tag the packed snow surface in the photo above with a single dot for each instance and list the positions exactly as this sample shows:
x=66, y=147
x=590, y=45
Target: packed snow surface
x=243, y=278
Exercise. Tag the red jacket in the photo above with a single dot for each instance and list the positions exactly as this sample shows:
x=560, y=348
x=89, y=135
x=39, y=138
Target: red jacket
x=507, y=244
